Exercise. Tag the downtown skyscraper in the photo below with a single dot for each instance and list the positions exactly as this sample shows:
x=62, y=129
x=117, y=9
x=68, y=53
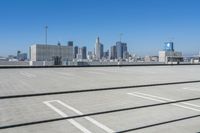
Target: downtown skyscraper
x=113, y=52
x=121, y=49
x=98, y=49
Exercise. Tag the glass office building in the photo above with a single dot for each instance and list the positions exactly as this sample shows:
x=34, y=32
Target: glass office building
x=169, y=46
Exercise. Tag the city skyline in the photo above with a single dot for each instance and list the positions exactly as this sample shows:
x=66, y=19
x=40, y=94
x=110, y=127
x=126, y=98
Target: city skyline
x=145, y=24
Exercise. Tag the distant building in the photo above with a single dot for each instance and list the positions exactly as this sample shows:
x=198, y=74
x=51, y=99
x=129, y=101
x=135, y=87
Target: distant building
x=169, y=46
x=3, y=58
x=12, y=57
x=125, y=55
x=151, y=59
x=90, y=55
x=169, y=55
x=82, y=53
x=113, y=52
x=101, y=51
x=22, y=56
x=98, y=49
x=106, y=54
x=18, y=53
x=79, y=55
x=194, y=59
x=42, y=52
x=75, y=52
x=121, y=48
x=70, y=43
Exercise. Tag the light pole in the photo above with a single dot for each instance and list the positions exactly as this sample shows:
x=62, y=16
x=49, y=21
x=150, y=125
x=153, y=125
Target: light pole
x=46, y=29
x=46, y=53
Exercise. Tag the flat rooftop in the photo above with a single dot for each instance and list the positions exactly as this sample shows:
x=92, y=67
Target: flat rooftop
x=140, y=99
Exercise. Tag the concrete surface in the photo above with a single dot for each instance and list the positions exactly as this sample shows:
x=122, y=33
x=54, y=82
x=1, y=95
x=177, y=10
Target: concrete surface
x=25, y=81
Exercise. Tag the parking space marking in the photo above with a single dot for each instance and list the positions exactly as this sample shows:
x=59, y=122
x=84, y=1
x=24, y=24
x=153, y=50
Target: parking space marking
x=191, y=89
x=98, y=124
x=162, y=100
x=73, y=122
x=167, y=99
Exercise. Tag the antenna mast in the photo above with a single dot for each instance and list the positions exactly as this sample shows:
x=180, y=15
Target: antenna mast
x=46, y=30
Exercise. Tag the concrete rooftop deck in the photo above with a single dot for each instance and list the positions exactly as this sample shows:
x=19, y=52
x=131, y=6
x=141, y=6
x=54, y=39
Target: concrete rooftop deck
x=164, y=118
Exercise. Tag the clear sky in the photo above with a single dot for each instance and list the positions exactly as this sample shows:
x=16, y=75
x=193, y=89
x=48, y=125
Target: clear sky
x=145, y=24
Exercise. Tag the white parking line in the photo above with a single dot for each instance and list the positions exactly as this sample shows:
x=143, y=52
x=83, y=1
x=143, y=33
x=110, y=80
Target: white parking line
x=158, y=99
x=190, y=104
x=98, y=124
x=73, y=122
x=191, y=89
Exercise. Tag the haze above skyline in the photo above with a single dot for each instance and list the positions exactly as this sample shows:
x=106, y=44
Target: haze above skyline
x=145, y=24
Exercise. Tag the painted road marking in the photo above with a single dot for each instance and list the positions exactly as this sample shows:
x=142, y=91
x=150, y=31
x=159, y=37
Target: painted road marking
x=161, y=99
x=73, y=122
x=191, y=89
x=98, y=124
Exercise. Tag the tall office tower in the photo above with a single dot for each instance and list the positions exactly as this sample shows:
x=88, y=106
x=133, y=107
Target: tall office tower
x=101, y=51
x=106, y=54
x=70, y=43
x=18, y=53
x=121, y=48
x=80, y=54
x=75, y=52
x=84, y=52
x=98, y=49
x=90, y=55
x=113, y=52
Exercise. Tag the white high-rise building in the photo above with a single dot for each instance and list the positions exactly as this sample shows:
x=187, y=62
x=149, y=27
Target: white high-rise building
x=98, y=49
x=42, y=52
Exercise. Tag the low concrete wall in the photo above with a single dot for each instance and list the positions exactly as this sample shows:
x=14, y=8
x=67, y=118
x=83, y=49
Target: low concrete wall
x=14, y=63
x=41, y=63
x=112, y=63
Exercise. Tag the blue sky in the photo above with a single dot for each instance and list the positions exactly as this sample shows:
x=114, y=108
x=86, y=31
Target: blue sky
x=145, y=24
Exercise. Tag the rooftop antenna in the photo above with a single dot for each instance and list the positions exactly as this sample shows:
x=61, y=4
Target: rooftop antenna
x=46, y=30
